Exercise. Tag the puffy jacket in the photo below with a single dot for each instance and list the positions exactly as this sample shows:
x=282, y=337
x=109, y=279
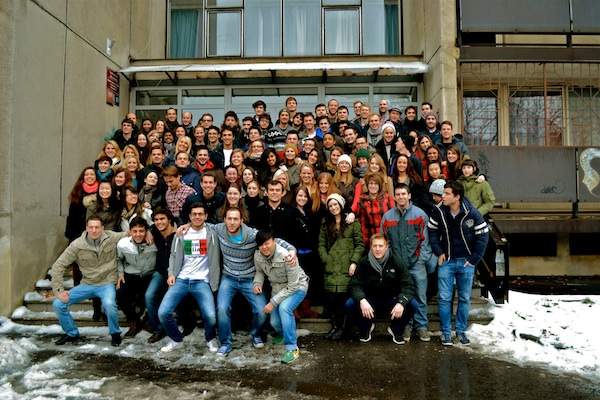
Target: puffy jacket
x=407, y=233
x=480, y=194
x=474, y=231
x=337, y=256
x=394, y=282
x=98, y=264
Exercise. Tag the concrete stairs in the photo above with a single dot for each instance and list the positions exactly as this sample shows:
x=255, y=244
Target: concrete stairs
x=37, y=310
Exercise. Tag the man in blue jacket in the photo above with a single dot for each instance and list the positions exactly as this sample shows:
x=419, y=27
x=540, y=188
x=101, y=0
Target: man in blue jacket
x=458, y=235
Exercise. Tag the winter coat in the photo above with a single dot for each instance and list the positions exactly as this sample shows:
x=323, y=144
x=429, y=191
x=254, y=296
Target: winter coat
x=480, y=194
x=393, y=282
x=284, y=279
x=337, y=255
x=474, y=231
x=98, y=265
x=135, y=259
x=369, y=213
x=407, y=234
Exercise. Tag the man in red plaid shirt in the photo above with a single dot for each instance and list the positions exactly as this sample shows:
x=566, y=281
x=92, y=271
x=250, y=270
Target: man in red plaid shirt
x=177, y=192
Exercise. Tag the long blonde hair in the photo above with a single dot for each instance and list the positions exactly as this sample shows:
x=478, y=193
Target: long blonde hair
x=313, y=187
x=114, y=144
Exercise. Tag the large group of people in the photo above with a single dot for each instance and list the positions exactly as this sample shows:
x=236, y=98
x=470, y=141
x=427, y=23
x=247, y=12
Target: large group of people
x=367, y=215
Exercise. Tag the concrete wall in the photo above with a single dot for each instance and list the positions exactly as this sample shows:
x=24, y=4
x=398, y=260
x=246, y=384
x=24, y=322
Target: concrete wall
x=562, y=264
x=53, y=77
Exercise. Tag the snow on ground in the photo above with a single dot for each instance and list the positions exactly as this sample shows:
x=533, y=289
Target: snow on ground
x=61, y=376
x=555, y=332
x=193, y=353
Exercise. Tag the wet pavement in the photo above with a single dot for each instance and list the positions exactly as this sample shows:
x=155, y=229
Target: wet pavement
x=349, y=370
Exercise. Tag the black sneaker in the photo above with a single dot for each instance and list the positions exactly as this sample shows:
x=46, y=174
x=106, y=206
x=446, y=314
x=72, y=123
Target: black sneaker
x=156, y=337
x=463, y=339
x=396, y=338
x=64, y=339
x=115, y=339
x=366, y=336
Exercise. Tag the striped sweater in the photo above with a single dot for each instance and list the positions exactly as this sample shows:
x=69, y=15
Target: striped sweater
x=238, y=258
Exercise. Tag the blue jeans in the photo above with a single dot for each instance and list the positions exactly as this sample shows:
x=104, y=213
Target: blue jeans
x=227, y=289
x=282, y=319
x=447, y=273
x=154, y=294
x=419, y=277
x=81, y=292
x=200, y=290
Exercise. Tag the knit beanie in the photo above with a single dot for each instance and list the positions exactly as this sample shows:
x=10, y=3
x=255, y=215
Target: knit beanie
x=337, y=197
x=362, y=153
x=346, y=158
x=437, y=187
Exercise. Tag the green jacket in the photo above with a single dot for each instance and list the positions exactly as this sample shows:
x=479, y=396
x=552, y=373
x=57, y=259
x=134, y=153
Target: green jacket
x=479, y=194
x=98, y=264
x=348, y=248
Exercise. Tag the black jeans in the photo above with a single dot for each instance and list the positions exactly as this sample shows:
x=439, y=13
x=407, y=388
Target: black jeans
x=131, y=296
x=383, y=306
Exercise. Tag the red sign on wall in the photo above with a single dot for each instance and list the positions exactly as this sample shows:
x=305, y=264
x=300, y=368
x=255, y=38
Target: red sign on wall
x=112, y=87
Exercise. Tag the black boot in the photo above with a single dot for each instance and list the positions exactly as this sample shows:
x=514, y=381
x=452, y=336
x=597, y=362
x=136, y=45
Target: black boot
x=341, y=331
x=64, y=339
x=135, y=327
x=115, y=339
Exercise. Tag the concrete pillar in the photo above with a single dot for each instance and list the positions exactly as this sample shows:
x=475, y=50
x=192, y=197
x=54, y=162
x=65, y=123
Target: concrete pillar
x=441, y=53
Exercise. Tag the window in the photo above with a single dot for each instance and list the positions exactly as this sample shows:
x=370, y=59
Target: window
x=186, y=29
x=342, y=31
x=224, y=33
x=399, y=96
x=155, y=97
x=480, y=117
x=534, y=121
x=381, y=27
x=346, y=95
x=262, y=28
x=271, y=28
x=301, y=27
x=224, y=3
x=584, y=116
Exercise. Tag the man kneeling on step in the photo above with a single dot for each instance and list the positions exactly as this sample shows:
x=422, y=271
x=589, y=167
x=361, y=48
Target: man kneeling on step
x=95, y=251
x=382, y=287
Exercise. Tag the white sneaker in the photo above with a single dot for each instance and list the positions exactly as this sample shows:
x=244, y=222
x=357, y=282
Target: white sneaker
x=172, y=345
x=213, y=345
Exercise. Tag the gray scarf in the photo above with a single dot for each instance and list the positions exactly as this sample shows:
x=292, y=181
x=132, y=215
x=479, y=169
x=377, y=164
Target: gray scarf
x=378, y=263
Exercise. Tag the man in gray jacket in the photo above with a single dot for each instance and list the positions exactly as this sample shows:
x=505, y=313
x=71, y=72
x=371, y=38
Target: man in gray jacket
x=194, y=268
x=289, y=284
x=136, y=261
x=95, y=251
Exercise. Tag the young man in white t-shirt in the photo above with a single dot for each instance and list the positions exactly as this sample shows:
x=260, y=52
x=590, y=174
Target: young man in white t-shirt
x=194, y=268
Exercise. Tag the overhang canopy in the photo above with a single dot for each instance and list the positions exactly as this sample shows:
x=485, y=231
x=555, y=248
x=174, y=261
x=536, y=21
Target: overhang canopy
x=395, y=67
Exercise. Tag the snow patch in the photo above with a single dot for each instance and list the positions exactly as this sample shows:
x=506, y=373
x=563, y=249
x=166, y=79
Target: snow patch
x=556, y=332
x=25, y=313
x=47, y=284
x=14, y=356
x=34, y=296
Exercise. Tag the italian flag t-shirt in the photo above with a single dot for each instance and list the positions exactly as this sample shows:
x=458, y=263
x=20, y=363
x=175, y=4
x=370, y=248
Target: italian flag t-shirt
x=195, y=255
